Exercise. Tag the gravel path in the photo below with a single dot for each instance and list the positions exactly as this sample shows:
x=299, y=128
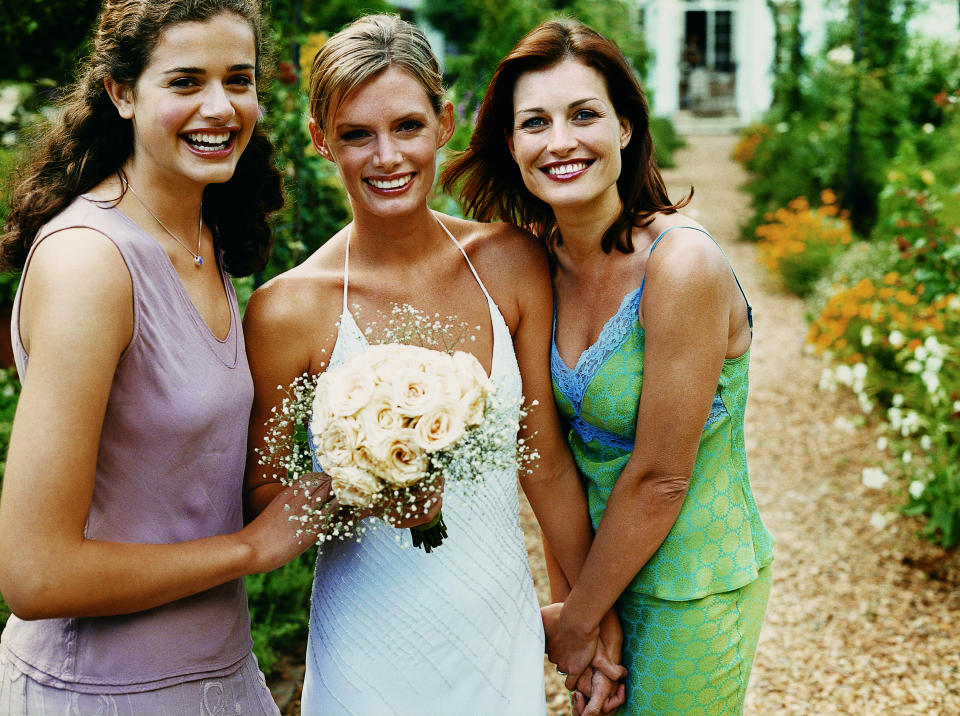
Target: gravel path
x=862, y=620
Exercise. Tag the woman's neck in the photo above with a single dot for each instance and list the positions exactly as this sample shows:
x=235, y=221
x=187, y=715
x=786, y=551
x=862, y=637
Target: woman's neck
x=396, y=240
x=176, y=204
x=582, y=228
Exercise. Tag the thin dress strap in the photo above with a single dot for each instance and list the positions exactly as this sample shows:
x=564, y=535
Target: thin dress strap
x=346, y=265
x=346, y=272
x=472, y=269
x=702, y=231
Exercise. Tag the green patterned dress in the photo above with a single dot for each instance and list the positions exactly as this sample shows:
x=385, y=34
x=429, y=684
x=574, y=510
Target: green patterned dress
x=692, y=616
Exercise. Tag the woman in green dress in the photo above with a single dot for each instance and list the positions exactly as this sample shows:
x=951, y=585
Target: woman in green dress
x=652, y=335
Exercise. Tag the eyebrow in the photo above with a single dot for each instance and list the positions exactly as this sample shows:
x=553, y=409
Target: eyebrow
x=575, y=103
x=346, y=126
x=201, y=71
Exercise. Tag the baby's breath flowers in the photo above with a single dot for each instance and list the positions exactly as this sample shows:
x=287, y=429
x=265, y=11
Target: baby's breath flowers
x=390, y=426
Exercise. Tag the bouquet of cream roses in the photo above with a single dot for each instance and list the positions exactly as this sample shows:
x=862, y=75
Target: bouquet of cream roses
x=386, y=422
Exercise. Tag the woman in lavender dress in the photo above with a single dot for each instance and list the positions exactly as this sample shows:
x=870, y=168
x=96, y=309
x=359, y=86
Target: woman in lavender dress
x=121, y=517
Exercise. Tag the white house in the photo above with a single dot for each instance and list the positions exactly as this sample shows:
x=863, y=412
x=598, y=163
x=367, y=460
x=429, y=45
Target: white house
x=715, y=57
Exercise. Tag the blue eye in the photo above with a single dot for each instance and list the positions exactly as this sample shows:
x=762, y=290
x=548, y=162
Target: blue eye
x=410, y=125
x=583, y=115
x=533, y=123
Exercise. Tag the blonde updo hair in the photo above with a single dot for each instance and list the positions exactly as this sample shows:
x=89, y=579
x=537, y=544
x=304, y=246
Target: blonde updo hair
x=364, y=49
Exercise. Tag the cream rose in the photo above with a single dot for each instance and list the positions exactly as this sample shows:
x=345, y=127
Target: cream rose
x=379, y=418
x=404, y=463
x=414, y=392
x=439, y=428
x=354, y=486
x=337, y=443
x=349, y=388
x=475, y=387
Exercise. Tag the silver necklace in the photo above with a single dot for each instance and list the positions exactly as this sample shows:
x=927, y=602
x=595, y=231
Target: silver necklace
x=197, y=258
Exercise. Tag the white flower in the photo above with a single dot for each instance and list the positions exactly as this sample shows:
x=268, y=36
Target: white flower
x=931, y=380
x=882, y=443
x=928, y=128
x=353, y=486
x=913, y=366
x=920, y=352
x=934, y=363
x=348, y=388
x=404, y=464
x=896, y=339
x=843, y=424
x=860, y=371
x=956, y=406
x=935, y=347
x=337, y=442
x=439, y=428
x=926, y=442
x=878, y=521
x=916, y=489
x=907, y=457
x=844, y=375
x=897, y=400
x=841, y=55
x=866, y=335
x=874, y=478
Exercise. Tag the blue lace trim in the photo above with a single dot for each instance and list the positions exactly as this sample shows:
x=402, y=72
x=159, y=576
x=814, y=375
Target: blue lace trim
x=589, y=432
x=574, y=382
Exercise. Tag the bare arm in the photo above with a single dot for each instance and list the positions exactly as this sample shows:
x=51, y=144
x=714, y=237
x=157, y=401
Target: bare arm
x=278, y=352
x=77, y=318
x=553, y=484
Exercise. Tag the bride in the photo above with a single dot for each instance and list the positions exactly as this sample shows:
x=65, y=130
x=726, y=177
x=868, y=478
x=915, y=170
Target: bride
x=392, y=628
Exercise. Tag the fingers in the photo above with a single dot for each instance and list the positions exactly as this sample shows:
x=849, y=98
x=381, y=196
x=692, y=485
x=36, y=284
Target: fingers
x=579, y=703
x=616, y=699
x=601, y=662
x=601, y=688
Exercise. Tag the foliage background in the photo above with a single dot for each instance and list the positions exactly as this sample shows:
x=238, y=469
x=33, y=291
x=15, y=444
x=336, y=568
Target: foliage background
x=871, y=126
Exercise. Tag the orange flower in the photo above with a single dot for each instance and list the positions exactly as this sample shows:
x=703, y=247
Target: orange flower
x=891, y=278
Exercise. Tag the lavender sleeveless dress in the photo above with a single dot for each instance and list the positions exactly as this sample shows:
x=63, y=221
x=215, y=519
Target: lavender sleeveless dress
x=169, y=469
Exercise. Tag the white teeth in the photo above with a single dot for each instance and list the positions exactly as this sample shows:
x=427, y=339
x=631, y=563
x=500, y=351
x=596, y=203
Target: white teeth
x=209, y=142
x=390, y=183
x=567, y=168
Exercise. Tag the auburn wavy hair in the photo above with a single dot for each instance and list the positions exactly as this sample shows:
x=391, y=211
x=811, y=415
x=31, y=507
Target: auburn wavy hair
x=89, y=140
x=487, y=179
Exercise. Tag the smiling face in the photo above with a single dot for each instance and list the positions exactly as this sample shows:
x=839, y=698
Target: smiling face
x=384, y=138
x=566, y=136
x=194, y=106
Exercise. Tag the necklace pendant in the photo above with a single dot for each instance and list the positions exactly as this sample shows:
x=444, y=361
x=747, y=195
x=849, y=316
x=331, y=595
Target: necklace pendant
x=198, y=261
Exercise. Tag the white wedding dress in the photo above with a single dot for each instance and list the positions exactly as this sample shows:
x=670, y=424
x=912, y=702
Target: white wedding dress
x=456, y=632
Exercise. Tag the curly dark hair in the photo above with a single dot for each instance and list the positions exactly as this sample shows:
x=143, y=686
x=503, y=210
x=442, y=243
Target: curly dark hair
x=89, y=140
x=486, y=177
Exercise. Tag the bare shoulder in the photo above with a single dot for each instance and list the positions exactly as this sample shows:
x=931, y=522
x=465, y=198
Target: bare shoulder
x=503, y=251
x=295, y=313
x=686, y=255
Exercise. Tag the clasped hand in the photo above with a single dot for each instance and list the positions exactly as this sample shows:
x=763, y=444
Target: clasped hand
x=588, y=661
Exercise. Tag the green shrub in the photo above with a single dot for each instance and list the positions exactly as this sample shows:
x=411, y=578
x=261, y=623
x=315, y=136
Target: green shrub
x=280, y=608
